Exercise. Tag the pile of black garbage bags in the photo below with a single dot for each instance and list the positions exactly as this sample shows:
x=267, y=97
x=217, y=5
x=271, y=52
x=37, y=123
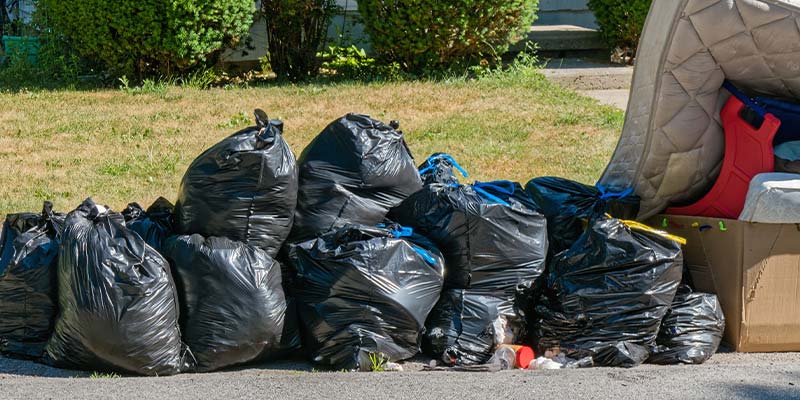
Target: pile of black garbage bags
x=349, y=253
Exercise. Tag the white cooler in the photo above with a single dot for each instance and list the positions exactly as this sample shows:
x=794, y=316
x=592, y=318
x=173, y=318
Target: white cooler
x=773, y=198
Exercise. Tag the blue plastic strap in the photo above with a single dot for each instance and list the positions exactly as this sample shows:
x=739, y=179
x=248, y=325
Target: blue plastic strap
x=743, y=97
x=498, y=186
x=425, y=255
x=402, y=231
x=490, y=197
x=605, y=194
x=429, y=164
x=781, y=105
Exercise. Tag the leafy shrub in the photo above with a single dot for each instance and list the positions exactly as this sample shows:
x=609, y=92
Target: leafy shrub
x=621, y=21
x=352, y=63
x=55, y=65
x=296, y=31
x=430, y=34
x=150, y=37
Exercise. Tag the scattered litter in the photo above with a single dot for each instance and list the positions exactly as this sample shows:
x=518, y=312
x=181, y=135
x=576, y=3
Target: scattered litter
x=545, y=363
x=512, y=356
x=393, y=367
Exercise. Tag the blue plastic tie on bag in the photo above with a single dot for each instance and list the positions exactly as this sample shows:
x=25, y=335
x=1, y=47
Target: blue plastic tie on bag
x=506, y=187
x=429, y=165
x=402, y=231
x=490, y=197
x=605, y=194
x=425, y=255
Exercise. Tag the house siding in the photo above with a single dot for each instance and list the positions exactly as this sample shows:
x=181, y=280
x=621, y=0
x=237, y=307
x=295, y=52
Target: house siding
x=566, y=12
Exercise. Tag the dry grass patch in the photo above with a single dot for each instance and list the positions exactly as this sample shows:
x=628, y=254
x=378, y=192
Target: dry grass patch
x=120, y=147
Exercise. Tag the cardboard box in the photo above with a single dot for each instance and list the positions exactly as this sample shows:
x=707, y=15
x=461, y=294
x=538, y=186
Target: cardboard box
x=755, y=271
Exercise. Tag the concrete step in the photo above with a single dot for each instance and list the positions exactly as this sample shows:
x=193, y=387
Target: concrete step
x=582, y=74
x=597, y=78
x=550, y=38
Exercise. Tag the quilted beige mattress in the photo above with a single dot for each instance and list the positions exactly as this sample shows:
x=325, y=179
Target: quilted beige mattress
x=672, y=143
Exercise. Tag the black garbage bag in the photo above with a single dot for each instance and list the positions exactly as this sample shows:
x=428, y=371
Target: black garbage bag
x=605, y=297
x=494, y=243
x=691, y=331
x=28, y=303
x=243, y=188
x=291, y=340
x=438, y=168
x=153, y=225
x=352, y=173
x=568, y=204
x=119, y=308
x=491, y=234
x=466, y=325
x=232, y=302
x=365, y=291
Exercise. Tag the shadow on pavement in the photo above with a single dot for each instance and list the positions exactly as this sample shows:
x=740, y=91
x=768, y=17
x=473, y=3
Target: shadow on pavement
x=761, y=392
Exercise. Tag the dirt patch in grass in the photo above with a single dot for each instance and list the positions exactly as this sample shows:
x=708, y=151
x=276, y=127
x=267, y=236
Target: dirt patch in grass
x=119, y=147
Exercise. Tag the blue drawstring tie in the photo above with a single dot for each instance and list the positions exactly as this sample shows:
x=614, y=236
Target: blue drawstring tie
x=425, y=255
x=429, y=164
x=506, y=187
x=605, y=194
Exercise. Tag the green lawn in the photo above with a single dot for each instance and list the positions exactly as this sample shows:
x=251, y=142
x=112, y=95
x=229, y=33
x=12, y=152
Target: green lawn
x=122, y=146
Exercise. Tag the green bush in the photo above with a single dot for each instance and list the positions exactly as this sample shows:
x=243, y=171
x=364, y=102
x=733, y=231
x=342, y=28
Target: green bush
x=352, y=63
x=55, y=65
x=150, y=37
x=426, y=35
x=621, y=21
x=296, y=31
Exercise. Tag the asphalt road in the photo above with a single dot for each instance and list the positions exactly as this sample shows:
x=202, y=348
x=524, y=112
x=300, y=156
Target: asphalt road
x=726, y=376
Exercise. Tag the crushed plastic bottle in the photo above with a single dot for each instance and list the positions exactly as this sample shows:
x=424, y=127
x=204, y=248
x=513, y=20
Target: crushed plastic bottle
x=505, y=357
x=508, y=356
x=545, y=363
x=393, y=367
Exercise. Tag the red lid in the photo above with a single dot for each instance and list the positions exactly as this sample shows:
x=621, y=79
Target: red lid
x=525, y=356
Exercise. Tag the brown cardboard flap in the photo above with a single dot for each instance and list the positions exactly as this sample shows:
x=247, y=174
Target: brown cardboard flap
x=755, y=271
x=772, y=285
